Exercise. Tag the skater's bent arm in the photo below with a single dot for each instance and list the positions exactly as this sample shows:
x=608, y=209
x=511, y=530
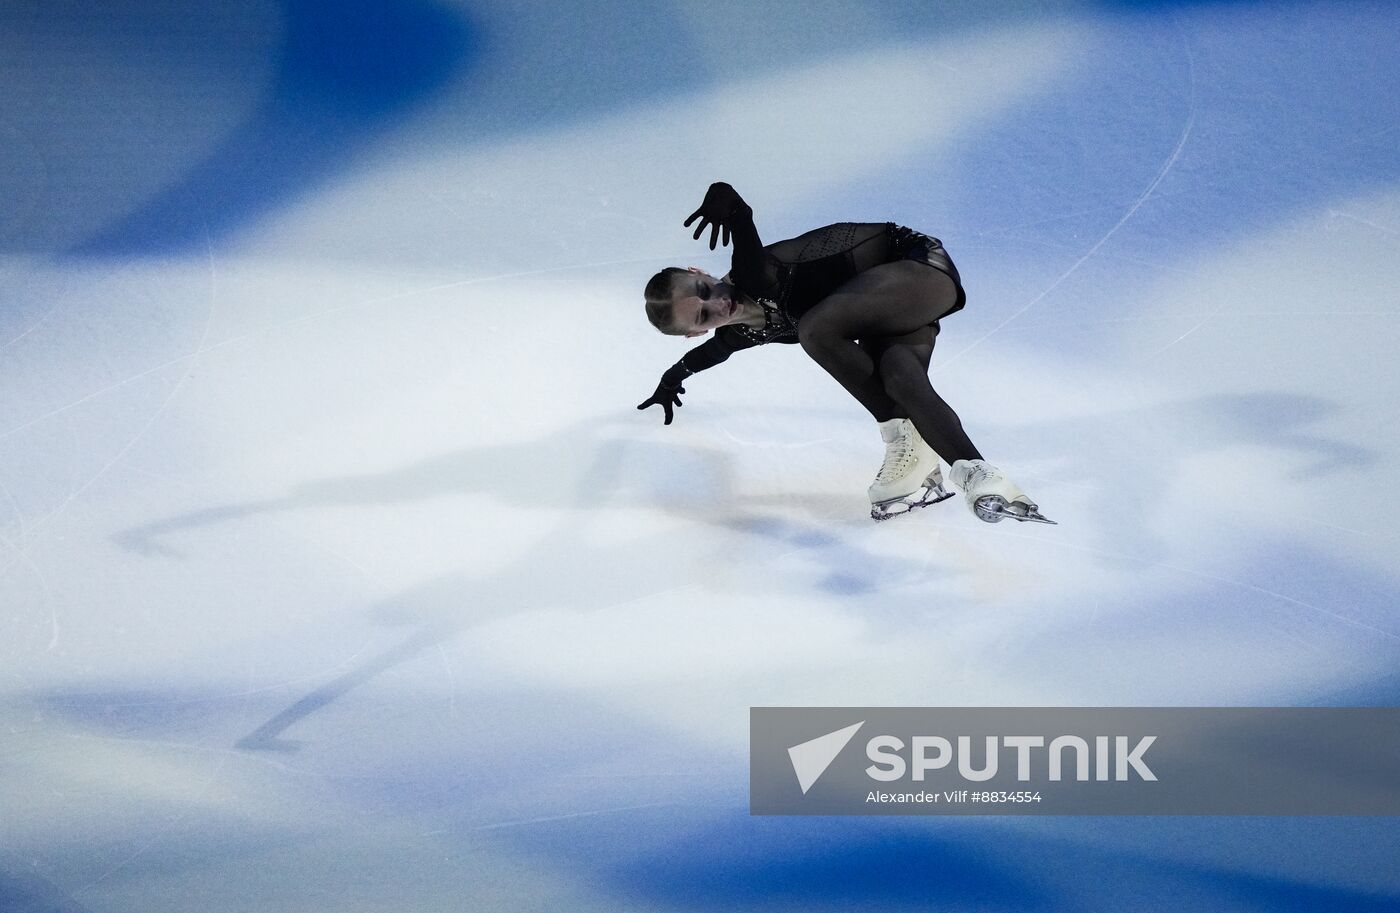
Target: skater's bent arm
x=706, y=355
x=709, y=353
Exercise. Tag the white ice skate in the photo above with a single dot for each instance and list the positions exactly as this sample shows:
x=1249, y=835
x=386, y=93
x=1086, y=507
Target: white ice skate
x=909, y=477
x=991, y=495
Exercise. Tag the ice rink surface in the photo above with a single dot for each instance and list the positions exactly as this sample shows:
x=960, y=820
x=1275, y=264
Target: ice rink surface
x=338, y=571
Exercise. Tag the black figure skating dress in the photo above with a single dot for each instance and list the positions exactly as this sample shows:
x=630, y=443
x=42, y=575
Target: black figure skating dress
x=788, y=278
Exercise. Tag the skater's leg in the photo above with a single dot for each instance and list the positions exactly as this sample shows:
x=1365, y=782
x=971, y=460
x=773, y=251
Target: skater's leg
x=903, y=370
x=892, y=299
x=881, y=409
x=891, y=310
x=878, y=306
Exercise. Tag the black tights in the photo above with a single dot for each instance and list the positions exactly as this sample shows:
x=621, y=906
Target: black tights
x=875, y=336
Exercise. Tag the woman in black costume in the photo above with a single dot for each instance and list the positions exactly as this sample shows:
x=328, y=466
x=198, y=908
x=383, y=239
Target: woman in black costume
x=864, y=301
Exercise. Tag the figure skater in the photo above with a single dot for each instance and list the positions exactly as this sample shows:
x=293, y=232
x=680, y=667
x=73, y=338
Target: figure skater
x=864, y=301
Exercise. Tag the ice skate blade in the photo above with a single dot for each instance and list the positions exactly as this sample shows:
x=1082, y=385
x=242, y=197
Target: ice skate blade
x=898, y=507
x=995, y=508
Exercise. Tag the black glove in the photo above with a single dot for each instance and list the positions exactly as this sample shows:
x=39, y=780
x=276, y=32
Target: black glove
x=722, y=205
x=666, y=394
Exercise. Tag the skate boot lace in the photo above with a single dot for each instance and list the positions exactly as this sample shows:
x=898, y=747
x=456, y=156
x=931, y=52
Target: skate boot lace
x=898, y=455
x=975, y=476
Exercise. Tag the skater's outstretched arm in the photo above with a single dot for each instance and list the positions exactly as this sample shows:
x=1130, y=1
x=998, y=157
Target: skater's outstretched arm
x=706, y=355
x=726, y=214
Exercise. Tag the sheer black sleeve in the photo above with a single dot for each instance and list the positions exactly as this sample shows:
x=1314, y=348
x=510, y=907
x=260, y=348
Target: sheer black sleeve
x=724, y=343
x=746, y=264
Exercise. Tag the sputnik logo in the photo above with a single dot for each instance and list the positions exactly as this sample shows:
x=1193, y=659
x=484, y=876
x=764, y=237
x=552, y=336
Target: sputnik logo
x=811, y=758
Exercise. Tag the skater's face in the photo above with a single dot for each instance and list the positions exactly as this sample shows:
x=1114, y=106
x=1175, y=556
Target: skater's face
x=700, y=302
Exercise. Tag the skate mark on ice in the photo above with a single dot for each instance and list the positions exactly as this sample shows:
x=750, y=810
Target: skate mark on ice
x=29, y=329
x=1156, y=352
x=1007, y=231
x=48, y=518
x=1132, y=210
